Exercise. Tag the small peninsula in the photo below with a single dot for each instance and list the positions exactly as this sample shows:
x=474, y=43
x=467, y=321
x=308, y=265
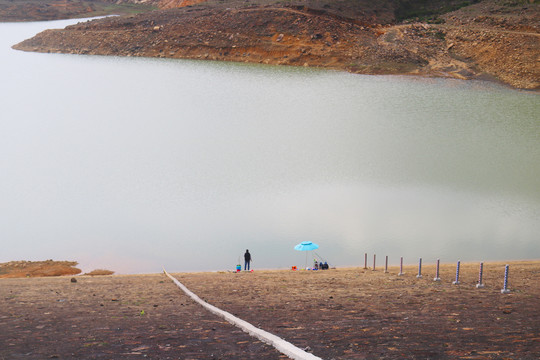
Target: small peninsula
x=484, y=39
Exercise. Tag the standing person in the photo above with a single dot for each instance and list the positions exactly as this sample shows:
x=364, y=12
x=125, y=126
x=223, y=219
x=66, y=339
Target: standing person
x=247, y=260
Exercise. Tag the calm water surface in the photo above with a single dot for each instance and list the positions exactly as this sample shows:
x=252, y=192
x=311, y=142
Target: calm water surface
x=133, y=164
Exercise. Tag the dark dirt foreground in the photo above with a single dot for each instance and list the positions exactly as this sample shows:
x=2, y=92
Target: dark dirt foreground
x=335, y=314
x=114, y=317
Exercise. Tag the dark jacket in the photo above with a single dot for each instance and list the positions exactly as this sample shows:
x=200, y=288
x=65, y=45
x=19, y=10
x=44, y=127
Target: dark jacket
x=247, y=256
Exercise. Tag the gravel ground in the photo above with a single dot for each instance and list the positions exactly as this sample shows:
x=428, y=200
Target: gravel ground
x=335, y=314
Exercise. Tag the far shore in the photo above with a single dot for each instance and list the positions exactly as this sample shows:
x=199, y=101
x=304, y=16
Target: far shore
x=485, y=41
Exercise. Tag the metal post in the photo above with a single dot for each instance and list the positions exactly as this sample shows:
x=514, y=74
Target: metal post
x=386, y=265
x=400, y=266
x=437, y=278
x=480, y=283
x=365, y=261
x=373, y=262
x=456, y=282
x=419, y=269
x=505, y=290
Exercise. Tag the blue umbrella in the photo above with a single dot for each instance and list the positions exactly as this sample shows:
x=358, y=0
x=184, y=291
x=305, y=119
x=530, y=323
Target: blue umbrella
x=306, y=246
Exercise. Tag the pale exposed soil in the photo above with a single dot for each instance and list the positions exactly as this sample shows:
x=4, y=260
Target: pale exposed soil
x=19, y=269
x=16, y=269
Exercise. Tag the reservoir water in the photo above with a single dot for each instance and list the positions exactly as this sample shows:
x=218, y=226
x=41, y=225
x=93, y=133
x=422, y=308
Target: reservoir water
x=131, y=164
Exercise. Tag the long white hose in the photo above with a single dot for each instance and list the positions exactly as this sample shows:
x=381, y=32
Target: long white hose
x=283, y=346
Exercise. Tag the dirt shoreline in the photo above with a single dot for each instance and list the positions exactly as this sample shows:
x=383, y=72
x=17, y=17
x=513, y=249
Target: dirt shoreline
x=349, y=313
x=487, y=40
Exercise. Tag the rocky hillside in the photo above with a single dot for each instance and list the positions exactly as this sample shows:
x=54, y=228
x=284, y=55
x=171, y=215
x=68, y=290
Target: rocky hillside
x=42, y=10
x=490, y=39
x=500, y=40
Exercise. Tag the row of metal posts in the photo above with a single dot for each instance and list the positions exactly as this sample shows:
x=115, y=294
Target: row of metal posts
x=479, y=285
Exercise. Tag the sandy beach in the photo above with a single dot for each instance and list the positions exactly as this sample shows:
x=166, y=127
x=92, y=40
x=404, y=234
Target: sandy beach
x=352, y=313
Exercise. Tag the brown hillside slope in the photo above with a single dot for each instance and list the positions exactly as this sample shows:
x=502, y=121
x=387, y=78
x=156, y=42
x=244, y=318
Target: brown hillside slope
x=170, y=4
x=44, y=10
x=486, y=40
x=501, y=41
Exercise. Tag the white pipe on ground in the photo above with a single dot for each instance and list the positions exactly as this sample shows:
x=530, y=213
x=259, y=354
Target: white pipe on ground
x=283, y=346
